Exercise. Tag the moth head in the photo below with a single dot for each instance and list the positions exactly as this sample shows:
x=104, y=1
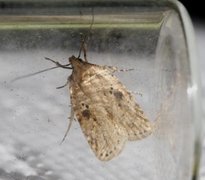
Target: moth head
x=75, y=62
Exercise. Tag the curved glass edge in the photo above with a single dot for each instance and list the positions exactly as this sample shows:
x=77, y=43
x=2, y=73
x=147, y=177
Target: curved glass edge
x=195, y=87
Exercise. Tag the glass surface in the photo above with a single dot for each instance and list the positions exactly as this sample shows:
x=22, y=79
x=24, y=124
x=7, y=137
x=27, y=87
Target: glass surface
x=147, y=37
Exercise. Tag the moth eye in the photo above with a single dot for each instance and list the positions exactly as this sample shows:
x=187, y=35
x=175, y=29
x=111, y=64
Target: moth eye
x=83, y=104
x=86, y=106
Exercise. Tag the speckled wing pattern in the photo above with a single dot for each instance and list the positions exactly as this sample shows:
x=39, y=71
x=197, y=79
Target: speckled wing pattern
x=107, y=112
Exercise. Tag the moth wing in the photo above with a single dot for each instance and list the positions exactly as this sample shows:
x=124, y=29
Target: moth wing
x=128, y=113
x=107, y=112
x=121, y=104
x=105, y=136
x=135, y=122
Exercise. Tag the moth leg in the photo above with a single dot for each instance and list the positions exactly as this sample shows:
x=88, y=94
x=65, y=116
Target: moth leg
x=125, y=70
x=71, y=118
x=67, y=82
x=115, y=69
x=83, y=47
x=137, y=93
x=84, y=51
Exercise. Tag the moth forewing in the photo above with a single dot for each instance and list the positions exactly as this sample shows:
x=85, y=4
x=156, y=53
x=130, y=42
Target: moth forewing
x=107, y=112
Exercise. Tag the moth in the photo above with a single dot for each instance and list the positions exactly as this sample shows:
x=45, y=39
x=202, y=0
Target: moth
x=106, y=111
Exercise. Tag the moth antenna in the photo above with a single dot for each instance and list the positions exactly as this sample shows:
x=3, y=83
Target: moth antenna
x=85, y=38
x=58, y=64
x=44, y=70
x=33, y=74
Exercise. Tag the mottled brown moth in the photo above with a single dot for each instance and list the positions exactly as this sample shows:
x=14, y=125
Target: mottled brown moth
x=107, y=112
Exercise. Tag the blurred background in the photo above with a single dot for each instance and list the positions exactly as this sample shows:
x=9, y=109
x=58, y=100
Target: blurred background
x=197, y=15
x=198, y=18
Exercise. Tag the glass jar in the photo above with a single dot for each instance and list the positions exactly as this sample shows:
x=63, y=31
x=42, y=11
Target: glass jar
x=153, y=38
